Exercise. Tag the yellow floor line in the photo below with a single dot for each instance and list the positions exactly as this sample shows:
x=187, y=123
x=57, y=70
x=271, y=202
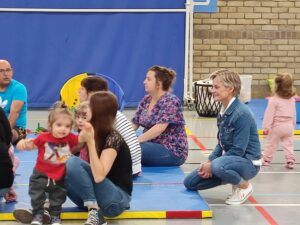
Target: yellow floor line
x=296, y=132
x=124, y=215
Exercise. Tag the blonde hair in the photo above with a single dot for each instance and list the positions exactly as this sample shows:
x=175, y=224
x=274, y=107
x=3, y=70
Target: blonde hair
x=229, y=79
x=284, y=85
x=81, y=108
x=58, y=108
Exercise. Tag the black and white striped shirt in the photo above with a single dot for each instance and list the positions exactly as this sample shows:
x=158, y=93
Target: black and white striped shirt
x=124, y=127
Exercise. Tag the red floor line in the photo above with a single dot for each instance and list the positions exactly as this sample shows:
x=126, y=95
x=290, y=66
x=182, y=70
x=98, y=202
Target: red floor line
x=263, y=212
x=196, y=140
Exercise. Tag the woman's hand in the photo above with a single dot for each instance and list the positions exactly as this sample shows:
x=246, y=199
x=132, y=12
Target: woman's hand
x=87, y=133
x=205, y=170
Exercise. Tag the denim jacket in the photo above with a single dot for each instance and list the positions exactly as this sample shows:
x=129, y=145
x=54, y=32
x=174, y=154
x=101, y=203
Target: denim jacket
x=237, y=133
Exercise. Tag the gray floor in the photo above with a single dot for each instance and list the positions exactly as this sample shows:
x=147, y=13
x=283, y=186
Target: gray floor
x=276, y=189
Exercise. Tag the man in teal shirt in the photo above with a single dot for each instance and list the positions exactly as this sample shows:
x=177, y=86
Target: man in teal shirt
x=13, y=100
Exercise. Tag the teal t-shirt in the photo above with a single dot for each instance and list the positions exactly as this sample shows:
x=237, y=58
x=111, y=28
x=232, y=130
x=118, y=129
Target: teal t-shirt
x=15, y=91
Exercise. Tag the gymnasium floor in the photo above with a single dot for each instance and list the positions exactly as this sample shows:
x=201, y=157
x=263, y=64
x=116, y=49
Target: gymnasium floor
x=276, y=196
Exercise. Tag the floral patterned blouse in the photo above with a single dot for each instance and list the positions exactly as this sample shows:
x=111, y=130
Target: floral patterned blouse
x=166, y=110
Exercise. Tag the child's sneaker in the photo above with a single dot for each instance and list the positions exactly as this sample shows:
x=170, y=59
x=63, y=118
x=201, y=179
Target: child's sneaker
x=55, y=220
x=240, y=195
x=290, y=165
x=25, y=216
x=37, y=219
x=266, y=163
x=46, y=217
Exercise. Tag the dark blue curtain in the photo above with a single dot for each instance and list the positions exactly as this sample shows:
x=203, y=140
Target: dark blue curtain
x=46, y=49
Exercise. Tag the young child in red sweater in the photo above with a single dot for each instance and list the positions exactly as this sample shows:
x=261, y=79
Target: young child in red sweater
x=54, y=148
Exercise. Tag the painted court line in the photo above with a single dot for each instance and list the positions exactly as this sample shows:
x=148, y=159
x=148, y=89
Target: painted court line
x=258, y=204
x=262, y=211
x=278, y=172
x=260, y=172
x=260, y=208
x=286, y=195
x=195, y=139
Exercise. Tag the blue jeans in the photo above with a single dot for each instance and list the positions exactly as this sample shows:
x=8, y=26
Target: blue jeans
x=3, y=191
x=225, y=169
x=154, y=154
x=83, y=190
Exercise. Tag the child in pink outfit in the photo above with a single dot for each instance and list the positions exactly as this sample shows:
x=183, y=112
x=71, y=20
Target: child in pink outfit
x=280, y=121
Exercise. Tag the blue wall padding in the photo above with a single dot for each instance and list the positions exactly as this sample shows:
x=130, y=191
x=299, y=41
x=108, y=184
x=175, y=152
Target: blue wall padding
x=46, y=49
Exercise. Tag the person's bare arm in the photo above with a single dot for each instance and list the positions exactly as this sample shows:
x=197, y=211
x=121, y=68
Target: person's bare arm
x=153, y=132
x=15, y=109
x=100, y=166
x=26, y=144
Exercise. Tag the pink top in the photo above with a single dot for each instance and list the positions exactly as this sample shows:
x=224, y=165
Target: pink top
x=279, y=110
x=84, y=154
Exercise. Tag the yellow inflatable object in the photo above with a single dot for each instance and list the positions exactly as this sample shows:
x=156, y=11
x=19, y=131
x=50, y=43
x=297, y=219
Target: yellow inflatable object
x=69, y=91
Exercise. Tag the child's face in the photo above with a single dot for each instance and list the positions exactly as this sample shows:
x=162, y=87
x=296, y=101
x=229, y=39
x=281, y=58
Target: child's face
x=62, y=126
x=85, y=116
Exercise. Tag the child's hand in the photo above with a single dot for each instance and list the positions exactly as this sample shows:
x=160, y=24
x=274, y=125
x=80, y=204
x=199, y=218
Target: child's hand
x=265, y=132
x=11, y=196
x=26, y=144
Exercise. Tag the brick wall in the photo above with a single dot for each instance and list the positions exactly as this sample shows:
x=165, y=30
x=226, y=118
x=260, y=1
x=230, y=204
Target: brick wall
x=258, y=38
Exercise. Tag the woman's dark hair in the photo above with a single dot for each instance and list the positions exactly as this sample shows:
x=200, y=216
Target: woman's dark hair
x=104, y=107
x=93, y=83
x=284, y=85
x=165, y=75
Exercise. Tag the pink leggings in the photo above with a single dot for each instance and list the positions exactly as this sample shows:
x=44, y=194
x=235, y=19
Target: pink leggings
x=283, y=134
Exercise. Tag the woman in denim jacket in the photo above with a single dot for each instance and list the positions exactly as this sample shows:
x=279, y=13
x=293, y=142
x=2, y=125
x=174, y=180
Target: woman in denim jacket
x=236, y=158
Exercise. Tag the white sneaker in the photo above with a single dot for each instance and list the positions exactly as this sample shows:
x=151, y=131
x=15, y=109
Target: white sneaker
x=234, y=187
x=240, y=195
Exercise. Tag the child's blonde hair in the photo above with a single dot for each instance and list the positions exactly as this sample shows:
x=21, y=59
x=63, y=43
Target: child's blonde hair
x=284, y=85
x=58, y=108
x=81, y=108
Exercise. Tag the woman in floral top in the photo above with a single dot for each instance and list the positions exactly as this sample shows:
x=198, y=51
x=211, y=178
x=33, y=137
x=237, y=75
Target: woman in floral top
x=164, y=141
